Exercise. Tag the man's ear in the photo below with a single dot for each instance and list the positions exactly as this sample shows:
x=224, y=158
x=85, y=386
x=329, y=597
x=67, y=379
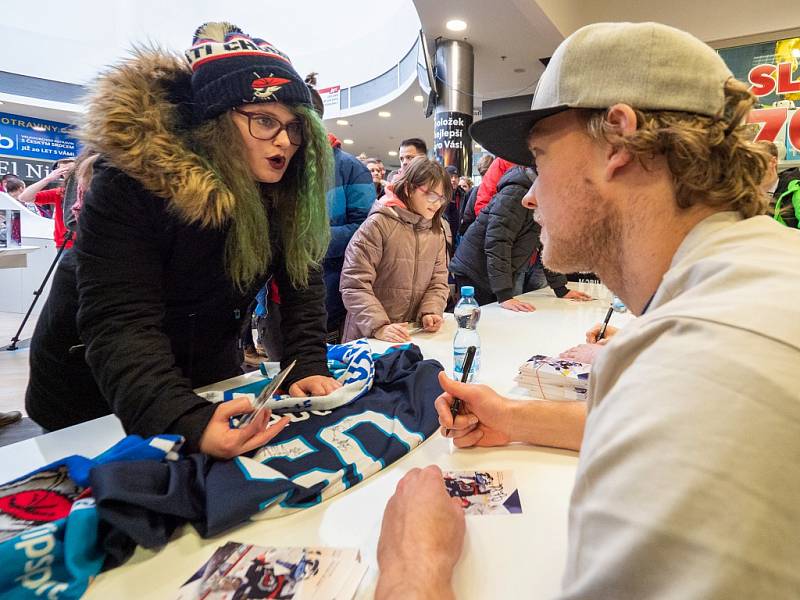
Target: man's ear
x=623, y=123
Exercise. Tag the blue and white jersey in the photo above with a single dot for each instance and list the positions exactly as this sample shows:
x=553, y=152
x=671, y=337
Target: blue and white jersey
x=323, y=451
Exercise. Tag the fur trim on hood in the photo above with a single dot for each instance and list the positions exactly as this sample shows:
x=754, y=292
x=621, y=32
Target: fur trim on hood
x=138, y=119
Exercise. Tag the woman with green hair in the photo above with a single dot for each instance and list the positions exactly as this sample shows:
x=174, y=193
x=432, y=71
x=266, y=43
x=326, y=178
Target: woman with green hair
x=211, y=181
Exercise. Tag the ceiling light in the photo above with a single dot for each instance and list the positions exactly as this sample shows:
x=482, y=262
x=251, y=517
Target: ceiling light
x=418, y=98
x=342, y=122
x=385, y=114
x=456, y=25
x=796, y=52
x=348, y=142
x=392, y=152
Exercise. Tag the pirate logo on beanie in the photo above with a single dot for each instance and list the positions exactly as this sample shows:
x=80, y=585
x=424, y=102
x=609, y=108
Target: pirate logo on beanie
x=265, y=87
x=227, y=67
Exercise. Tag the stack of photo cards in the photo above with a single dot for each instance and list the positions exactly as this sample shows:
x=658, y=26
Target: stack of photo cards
x=553, y=378
x=239, y=571
x=484, y=492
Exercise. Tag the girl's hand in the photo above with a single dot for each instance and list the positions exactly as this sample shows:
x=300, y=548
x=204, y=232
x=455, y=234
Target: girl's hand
x=220, y=441
x=315, y=385
x=432, y=323
x=394, y=332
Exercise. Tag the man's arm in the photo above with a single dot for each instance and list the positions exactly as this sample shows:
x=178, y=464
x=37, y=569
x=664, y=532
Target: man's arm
x=29, y=193
x=421, y=539
x=489, y=419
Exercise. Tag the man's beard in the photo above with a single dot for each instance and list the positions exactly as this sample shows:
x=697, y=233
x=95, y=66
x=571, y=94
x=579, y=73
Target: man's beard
x=593, y=244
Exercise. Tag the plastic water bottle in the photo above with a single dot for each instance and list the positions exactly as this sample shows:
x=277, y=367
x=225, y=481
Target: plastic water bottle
x=618, y=305
x=467, y=314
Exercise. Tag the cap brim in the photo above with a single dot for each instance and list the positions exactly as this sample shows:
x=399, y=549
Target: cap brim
x=506, y=136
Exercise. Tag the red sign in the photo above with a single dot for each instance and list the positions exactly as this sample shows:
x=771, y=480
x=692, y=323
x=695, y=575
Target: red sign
x=773, y=120
x=763, y=82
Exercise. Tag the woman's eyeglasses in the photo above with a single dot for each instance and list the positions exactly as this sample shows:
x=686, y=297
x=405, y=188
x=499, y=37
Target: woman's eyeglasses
x=433, y=197
x=265, y=127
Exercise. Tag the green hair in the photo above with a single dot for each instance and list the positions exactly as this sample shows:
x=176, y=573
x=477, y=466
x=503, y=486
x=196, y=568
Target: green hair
x=296, y=203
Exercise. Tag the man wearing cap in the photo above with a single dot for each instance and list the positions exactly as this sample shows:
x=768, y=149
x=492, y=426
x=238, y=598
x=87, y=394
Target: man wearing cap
x=688, y=480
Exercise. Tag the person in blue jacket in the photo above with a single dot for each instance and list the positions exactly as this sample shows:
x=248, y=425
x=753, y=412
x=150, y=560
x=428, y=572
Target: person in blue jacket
x=349, y=202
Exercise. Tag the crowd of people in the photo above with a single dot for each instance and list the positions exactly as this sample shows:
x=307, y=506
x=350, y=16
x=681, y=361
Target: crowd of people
x=210, y=185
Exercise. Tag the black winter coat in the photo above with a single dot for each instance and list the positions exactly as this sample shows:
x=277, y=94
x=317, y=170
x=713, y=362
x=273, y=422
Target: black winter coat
x=499, y=243
x=147, y=291
x=468, y=210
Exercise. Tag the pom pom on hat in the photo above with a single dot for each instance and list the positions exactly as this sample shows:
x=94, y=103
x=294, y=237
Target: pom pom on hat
x=230, y=68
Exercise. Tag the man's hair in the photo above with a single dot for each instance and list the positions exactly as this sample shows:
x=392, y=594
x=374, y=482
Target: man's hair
x=422, y=172
x=316, y=99
x=711, y=160
x=417, y=143
x=484, y=162
x=769, y=147
x=12, y=184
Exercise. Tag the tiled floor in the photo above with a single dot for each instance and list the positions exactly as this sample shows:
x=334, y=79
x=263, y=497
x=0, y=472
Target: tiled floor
x=13, y=364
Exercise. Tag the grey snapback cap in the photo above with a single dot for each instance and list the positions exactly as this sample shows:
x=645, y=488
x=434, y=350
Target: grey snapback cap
x=646, y=65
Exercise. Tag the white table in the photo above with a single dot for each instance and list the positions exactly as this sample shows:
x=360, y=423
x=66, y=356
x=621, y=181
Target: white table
x=504, y=556
x=14, y=257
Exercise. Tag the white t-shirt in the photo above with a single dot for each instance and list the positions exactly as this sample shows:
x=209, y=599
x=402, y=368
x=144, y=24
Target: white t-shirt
x=689, y=478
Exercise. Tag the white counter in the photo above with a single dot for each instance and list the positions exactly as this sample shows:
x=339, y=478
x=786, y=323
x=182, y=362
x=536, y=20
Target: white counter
x=15, y=257
x=510, y=556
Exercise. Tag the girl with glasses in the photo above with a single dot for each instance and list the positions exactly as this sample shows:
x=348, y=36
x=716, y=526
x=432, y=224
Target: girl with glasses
x=395, y=267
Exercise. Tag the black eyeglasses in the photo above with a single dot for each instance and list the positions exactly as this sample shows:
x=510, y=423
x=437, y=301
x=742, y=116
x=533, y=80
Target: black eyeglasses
x=265, y=127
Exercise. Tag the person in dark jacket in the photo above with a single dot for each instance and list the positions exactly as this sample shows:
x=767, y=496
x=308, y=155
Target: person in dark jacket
x=212, y=181
x=455, y=207
x=468, y=210
x=782, y=190
x=497, y=248
x=349, y=202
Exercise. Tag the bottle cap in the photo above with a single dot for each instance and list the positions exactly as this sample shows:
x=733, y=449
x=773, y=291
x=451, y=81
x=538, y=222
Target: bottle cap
x=467, y=290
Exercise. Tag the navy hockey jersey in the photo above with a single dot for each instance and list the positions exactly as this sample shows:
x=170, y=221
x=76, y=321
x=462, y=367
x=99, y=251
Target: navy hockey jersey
x=319, y=454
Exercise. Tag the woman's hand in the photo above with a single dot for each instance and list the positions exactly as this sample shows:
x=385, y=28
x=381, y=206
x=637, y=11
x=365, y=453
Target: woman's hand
x=394, y=332
x=221, y=441
x=432, y=323
x=315, y=385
